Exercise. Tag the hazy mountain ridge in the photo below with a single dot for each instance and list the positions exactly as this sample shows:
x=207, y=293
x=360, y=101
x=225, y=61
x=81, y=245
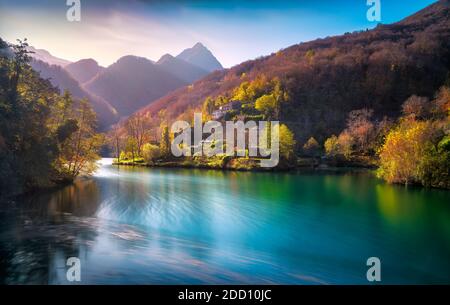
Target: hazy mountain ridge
x=131, y=82
x=126, y=85
x=61, y=79
x=84, y=70
x=181, y=69
x=46, y=56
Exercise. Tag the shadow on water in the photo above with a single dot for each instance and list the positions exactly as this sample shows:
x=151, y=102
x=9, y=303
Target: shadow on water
x=169, y=226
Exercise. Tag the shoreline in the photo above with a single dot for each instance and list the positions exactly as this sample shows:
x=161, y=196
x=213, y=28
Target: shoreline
x=305, y=164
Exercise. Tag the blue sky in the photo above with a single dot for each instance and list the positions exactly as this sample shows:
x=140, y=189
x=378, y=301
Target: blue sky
x=234, y=31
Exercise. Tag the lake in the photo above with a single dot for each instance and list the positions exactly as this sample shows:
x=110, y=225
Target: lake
x=179, y=226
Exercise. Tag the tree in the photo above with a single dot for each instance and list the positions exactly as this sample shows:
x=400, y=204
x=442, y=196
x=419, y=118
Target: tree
x=360, y=132
x=165, y=141
x=441, y=105
x=136, y=129
x=209, y=106
x=331, y=146
x=311, y=147
x=28, y=146
x=248, y=91
x=80, y=150
x=418, y=149
x=115, y=140
x=61, y=109
x=434, y=170
x=404, y=150
x=45, y=138
x=268, y=105
x=20, y=63
x=345, y=144
x=287, y=142
x=310, y=55
x=342, y=145
x=150, y=152
x=131, y=148
x=270, y=97
x=416, y=107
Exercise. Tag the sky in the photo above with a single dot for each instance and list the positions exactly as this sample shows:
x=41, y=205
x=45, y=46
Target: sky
x=235, y=31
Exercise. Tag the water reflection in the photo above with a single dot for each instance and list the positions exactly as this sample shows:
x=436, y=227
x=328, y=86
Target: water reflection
x=137, y=225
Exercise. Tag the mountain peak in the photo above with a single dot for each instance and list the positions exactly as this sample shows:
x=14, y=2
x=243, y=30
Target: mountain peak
x=84, y=69
x=127, y=58
x=89, y=61
x=199, y=45
x=164, y=58
x=200, y=56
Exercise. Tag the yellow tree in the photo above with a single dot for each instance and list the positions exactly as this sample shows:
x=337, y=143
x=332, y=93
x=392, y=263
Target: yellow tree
x=331, y=146
x=403, y=151
x=150, y=152
x=268, y=105
x=287, y=143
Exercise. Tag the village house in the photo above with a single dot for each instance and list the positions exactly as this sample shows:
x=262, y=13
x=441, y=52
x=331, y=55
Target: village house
x=233, y=105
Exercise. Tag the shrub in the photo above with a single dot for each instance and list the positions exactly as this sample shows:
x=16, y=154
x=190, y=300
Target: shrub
x=125, y=156
x=150, y=152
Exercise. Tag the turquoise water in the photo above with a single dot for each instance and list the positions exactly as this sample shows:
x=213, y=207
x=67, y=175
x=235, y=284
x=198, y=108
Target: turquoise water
x=167, y=226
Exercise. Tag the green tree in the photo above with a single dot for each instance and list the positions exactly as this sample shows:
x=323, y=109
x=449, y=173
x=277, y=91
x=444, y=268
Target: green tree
x=27, y=146
x=434, y=169
x=44, y=137
x=80, y=151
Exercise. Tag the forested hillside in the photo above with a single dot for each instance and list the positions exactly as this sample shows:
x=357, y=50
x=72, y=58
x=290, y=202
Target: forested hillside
x=327, y=78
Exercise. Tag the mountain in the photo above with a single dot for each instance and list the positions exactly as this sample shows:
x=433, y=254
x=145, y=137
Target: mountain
x=181, y=69
x=60, y=78
x=132, y=82
x=84, y=70
x=45, y=56
x=128, y=84
x=327, y=78
x=201, y=57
